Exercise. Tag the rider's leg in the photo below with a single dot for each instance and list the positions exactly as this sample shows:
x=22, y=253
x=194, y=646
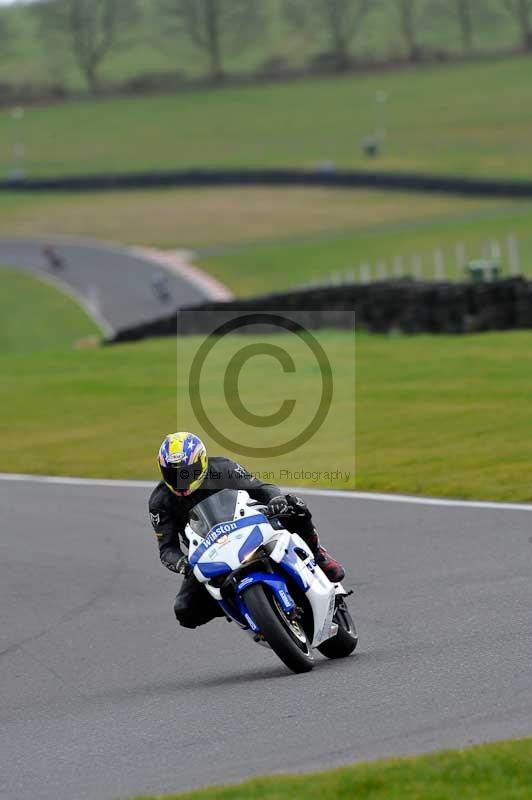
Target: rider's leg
x=193, y=604
x=332, y=568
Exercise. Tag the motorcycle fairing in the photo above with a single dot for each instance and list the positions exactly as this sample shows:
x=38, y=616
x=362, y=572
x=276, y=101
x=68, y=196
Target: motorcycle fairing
x=311, y=579
x=221, y=530
x=214, y=569
x=253, y=540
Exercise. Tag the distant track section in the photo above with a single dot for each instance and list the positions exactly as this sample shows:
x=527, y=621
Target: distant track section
x=325, y=177
x=112, y=282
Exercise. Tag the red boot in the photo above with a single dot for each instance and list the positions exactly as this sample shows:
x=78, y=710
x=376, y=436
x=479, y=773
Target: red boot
x=333, y=569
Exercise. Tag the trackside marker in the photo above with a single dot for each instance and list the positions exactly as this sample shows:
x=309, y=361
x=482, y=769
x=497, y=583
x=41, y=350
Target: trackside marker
x=304, y=490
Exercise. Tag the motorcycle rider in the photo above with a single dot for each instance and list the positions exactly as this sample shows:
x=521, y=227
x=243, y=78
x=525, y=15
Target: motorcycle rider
x=160, y=286
x=188, y=477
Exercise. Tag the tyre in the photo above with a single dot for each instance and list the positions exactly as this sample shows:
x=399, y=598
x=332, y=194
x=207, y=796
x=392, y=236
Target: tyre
x=286, y=637
x=346, y=639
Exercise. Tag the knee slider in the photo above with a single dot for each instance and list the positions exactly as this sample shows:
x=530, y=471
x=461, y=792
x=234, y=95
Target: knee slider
x=185, y=617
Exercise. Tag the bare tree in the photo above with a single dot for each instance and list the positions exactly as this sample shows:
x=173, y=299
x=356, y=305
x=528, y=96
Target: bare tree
x=4, y=35
x=408, y=12
x=521, y=10
x=464, y=15
x=213, y=25
x=340, y=18
x=92, y=28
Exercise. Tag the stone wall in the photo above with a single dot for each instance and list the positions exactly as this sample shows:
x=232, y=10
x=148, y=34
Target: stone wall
x=329, y=177
x=405, y=306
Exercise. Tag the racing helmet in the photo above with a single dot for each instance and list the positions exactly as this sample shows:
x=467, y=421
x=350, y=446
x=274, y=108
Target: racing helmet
x=182, y=460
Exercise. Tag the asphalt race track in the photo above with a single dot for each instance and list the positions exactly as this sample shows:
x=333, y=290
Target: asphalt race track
x=102, y=695
x=117, y=279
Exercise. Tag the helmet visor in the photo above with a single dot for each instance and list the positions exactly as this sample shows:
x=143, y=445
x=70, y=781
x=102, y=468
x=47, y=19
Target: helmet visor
x=181, y=478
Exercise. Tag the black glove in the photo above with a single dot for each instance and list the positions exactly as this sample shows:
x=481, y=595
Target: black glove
x=278, y=506
x=298, y=506
x=183, y=567
x=288, y=505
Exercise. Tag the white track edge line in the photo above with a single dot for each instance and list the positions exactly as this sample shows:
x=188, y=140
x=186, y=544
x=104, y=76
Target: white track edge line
x=338, y=493
x=177, y=263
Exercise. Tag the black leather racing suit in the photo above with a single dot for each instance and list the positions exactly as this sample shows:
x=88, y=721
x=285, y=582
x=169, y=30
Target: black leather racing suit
x=169, y=515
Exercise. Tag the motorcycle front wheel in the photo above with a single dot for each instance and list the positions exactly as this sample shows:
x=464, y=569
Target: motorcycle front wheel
x=286, y=637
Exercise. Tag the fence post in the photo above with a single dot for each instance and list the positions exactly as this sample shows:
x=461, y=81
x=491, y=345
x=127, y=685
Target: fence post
x=365, y=273
x=439, y=265
x=382, y=271
x=417, y=267
x=398, y=269
x=461, y=260
x=513, y=255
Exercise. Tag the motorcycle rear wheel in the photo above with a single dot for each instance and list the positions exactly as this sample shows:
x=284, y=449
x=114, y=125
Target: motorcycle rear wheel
x=286, y=637
x=346, y=639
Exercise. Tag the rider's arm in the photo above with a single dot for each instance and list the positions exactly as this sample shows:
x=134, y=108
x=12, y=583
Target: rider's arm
x=258, y=490
x=167, y=532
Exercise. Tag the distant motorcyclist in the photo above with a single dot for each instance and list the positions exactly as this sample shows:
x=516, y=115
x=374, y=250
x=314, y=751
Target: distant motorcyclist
x=55, y=262
x=188, y=477
x=160, y=286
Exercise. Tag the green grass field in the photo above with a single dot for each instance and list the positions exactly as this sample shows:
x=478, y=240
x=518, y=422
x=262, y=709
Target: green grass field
x=446, y=416
x=210, y=218
x=501, y=771
x=280, y=264
x=470, y=119
x=35, y=317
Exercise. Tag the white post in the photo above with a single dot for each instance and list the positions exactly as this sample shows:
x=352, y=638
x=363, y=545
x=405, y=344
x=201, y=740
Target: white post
x=513, y=255
x=461, y=260
x=382, y=271
x=417, y=267
x=365, y=273
x=439, y=265
x=398, y=269
x=18, y=148
x=350, y=275
x=380, y=128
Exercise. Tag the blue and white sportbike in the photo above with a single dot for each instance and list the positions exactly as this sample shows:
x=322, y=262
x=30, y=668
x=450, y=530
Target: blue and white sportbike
x=266, y=579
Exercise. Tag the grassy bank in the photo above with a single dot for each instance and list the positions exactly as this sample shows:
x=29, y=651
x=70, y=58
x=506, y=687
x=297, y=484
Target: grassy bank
x=464, y=118
x=210, y=218
x=445, y=416
x=35, y=317
x=263, y=266
x=501, y=771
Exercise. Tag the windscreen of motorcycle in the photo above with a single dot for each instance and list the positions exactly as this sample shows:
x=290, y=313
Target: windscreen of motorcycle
x=219, y=507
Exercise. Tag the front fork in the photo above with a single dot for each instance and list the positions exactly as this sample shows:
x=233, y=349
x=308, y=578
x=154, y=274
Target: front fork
x=240, y=580
x=277, y=586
